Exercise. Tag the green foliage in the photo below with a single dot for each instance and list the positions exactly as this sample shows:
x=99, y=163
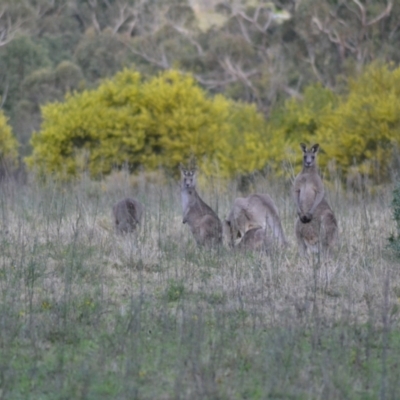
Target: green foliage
x=100, y=55
x=8, y=144
x=18, y=60
x=394, y=239
x=159, y=122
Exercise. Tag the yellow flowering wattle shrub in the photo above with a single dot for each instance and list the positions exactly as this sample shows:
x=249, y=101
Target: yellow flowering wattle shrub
x=8, y=144
x=362, y=134
x=298, y=120
x=159, y=122
x=359, y=131
x=165, y=120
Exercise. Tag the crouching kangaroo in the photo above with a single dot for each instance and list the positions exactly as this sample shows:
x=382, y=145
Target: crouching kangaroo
x=316, y=225
x=255, y=239
x=257, y=211
x=127, y=215
x=204, y=223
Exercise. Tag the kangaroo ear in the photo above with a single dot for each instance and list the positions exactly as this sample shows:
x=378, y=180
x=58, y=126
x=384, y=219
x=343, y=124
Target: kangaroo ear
x=303, y=147
x=315, y=148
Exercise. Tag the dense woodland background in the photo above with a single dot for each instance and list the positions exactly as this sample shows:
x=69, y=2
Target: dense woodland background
x=261, y=52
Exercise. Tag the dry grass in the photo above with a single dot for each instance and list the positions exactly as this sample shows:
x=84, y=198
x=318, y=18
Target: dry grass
x=165, y=319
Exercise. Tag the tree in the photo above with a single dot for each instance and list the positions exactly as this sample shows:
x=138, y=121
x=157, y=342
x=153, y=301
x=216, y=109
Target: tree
x=100, y=55
x=17, y=60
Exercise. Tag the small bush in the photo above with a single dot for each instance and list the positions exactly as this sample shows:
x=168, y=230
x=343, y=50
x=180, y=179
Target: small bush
x=8, y=146
x=175, y=291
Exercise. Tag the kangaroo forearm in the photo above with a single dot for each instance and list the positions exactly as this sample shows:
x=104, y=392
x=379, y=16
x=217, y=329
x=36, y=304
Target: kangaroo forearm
x=317, y=200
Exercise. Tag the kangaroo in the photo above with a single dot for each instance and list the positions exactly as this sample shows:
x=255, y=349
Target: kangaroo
x=127, y=215
x=204, y=223
x=254, y=211
x=316, y=225
x=255, y=239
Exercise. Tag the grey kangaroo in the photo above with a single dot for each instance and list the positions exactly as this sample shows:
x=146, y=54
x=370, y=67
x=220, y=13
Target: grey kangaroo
x=316, y=226
x=254, y=211
x=255, y=239
x=127, y=215
x=204, y=223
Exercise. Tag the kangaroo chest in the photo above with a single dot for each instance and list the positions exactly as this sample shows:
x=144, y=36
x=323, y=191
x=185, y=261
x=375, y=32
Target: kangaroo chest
x=308, y=192
x=189, y=199
x=185, y=199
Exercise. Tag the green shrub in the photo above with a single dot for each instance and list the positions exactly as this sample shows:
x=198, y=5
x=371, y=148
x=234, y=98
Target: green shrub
x=174, y=291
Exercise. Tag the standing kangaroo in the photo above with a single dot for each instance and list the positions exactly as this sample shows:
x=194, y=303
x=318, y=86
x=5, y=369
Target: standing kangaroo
x=254, y=211
x=127, y=215
x=204, y=223
x=316, y=226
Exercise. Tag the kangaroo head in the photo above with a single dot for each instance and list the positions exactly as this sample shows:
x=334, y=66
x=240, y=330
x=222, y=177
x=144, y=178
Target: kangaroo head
x=188, y=178
x=309, y=155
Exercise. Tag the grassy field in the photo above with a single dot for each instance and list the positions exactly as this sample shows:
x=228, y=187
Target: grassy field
x=87, y=314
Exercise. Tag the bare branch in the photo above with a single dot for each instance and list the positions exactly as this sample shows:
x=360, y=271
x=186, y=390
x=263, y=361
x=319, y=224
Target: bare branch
x=214, y=83
x=8, y=28
x=363, y=13
x=95, y=22
x=237, y=72
x=243, y=28
x=333, y=35
x=254, y=20
x=124, y=14
x=384, y=14
x=163, y=63
x=311, y=60
x=184, y=32
x=292, y=92
x=363, y=17
x=4, y=96
x=131, y=27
